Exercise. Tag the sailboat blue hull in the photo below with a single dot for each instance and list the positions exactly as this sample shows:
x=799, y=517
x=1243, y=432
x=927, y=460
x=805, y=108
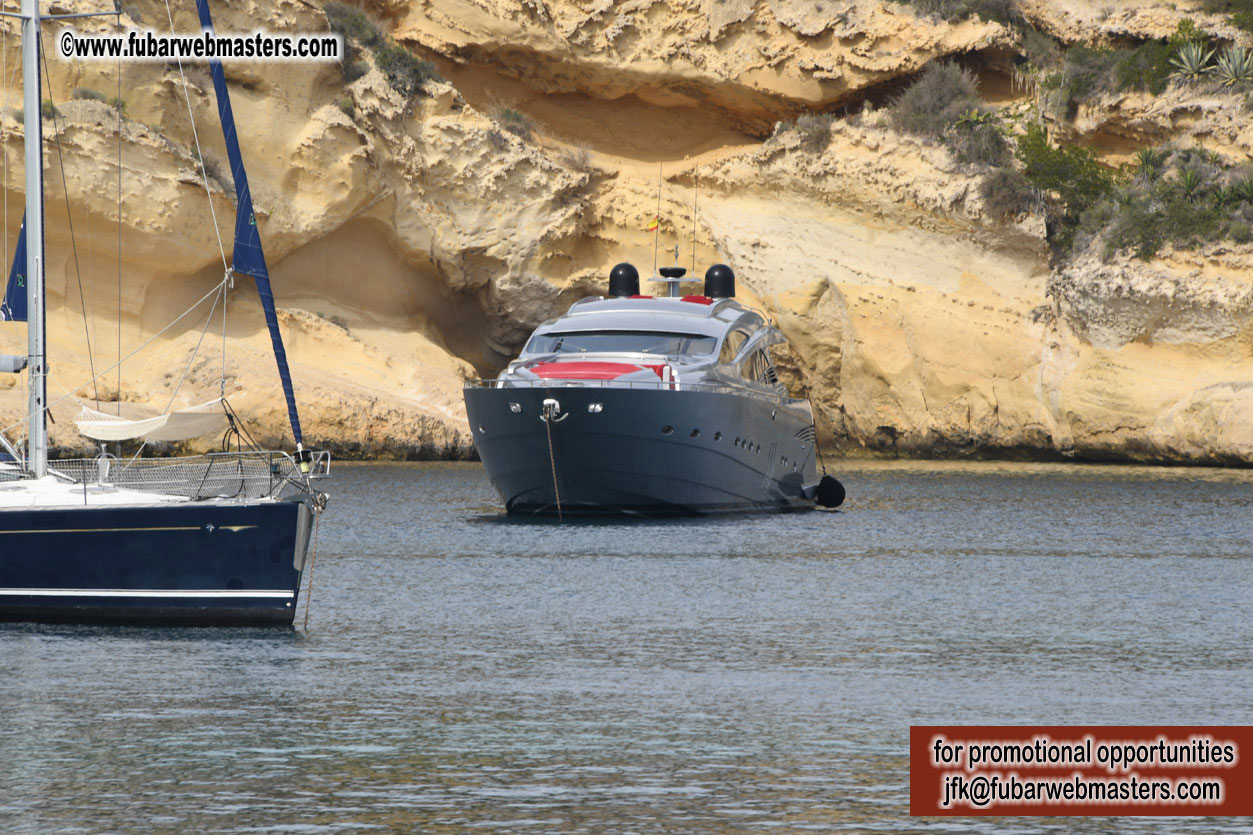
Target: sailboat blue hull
x=194, y=564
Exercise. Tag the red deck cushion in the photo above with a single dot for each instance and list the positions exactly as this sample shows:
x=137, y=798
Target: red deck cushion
x=589, y=370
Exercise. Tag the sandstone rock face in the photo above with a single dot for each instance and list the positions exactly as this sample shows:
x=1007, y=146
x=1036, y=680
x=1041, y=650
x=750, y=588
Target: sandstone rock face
x=752, y=62
x=414, y=242
x=1078, y=20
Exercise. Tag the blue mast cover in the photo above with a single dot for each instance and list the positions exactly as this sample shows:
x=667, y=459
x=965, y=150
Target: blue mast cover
x=248, y=257
x=13, y=308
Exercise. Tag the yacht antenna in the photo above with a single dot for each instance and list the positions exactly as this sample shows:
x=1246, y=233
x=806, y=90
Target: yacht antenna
x=656, y=224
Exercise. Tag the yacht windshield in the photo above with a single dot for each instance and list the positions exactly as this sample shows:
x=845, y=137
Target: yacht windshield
x=621, y=342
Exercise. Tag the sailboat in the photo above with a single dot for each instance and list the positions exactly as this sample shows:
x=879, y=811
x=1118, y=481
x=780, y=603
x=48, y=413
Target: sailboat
x=216, y=539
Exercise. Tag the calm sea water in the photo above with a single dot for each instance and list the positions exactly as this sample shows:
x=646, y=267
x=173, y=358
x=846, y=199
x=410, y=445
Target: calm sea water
x=465, y=672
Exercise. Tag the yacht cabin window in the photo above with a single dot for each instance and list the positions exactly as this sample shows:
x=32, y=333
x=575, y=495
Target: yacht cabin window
x=622, y=342
x=731, y=346
x=758, y=368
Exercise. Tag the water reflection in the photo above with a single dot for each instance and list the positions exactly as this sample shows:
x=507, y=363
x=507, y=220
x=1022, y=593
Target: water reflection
x=759, y=673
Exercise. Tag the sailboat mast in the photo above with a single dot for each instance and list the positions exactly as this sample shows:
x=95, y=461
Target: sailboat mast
x=37, y=430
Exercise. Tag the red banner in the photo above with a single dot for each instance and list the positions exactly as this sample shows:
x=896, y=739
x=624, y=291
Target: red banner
x=1080, y=770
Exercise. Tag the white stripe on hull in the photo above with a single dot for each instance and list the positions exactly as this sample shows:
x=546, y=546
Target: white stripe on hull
x=207, y=528
x=181, y=593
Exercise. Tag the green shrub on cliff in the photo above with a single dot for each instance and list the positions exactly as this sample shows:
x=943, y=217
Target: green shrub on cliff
x=954, y=11
x=1085, y=72
x=935, y=100
x=1070, y=173
x=1147, y=67
x=1239, y=12
x=1185, y=198
x=814, y=130
x=514, y=121
x=1082, y=73
x=405, y=71
x=1007, y=194
x=976, y=139
x=87, y=94
x=942, y=105
x=1149, y=222
x=353, y=24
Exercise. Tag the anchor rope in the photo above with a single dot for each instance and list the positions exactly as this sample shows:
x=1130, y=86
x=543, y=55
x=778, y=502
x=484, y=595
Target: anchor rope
x=313, y=556
x=552, y=459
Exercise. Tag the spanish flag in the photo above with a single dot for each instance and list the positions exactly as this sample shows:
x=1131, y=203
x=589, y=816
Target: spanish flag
x=654, y=223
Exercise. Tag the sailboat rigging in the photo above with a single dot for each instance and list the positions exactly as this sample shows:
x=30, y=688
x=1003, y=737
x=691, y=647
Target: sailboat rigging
x=213, y=539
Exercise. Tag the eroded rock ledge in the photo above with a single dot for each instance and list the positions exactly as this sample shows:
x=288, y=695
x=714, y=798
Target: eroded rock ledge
x=415, y=241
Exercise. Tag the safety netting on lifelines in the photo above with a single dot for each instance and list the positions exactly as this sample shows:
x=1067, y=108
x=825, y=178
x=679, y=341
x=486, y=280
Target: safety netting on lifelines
x=113, y=481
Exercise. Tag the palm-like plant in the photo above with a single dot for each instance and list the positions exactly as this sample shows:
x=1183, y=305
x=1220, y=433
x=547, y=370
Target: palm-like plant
x=1191, y=61
x=975, y=117
x=1148, y=163
x=1226, y=196
x=1244, y=189
x=1234, y=66
x=1190, y=183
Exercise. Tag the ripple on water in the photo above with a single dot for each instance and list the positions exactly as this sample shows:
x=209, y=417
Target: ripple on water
x=468, y=671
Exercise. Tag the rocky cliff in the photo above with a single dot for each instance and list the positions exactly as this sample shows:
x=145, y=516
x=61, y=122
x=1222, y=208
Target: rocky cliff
x=415, y=238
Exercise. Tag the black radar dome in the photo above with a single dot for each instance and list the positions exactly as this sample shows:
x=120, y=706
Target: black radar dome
x=624, y=280
x=720, y=282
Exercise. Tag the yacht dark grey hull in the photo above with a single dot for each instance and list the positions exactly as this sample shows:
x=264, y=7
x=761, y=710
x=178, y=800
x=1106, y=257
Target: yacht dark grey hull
x=194, y=564
x=649, y=450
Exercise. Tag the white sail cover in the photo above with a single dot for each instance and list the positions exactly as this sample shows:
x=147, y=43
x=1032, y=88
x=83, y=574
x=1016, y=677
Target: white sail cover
x=180, y=425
